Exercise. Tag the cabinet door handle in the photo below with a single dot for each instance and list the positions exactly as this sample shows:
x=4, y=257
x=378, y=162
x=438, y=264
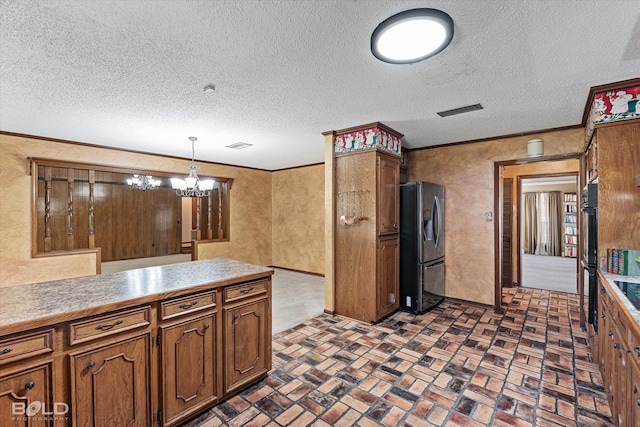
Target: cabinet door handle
x=235, y=317
x=637, y=349
x=611, y=334
x=246, y=291
x=91, y=365
x=29, y=385
x=206, y=326
x=638, y=401
x=602, y=315
x=109, y=326
x=186, y=306
x=615, y=345
x=6, y=350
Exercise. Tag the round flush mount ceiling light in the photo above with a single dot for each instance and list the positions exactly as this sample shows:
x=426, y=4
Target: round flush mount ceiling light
x=411, y=36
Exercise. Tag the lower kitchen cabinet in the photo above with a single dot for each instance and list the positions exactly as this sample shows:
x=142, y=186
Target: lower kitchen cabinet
x=152, y=361
x=188, y=361
x=247, y=343
x=388, y=278
x=25, y=396
x=110, y=385
x=619, y=358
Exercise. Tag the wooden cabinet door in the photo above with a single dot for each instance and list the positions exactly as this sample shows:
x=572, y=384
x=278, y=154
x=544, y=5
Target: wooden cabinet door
x=632, y=401
x=110, y=384
x=388, y=197
x=25, y=397
x=246, y=343
x=188, y=375
x=388, y=278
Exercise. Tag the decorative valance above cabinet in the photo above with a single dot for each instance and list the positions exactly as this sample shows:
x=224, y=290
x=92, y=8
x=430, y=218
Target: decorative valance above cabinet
x=611, y=103
x=372, y=136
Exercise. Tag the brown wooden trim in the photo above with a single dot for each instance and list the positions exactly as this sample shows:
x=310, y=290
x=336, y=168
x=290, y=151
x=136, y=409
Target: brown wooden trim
x=518, y=226
x=603, y=88
x=493, y=138
x=86, y=144
x=98, y=261
x=297, y=271
x=298, y=167
x=104, y=168
x=330, y=312
x=497, y=233
x=64, y=253
x=365, y=126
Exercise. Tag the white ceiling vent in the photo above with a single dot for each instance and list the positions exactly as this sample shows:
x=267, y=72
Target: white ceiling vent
x=239, y=145
x=460, y=110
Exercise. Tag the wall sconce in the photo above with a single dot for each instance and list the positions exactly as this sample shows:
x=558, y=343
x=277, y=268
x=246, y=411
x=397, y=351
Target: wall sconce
x=534, y=148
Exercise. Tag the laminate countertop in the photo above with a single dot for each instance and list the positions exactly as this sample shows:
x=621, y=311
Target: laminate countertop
x=40, y=304
x=611, y=278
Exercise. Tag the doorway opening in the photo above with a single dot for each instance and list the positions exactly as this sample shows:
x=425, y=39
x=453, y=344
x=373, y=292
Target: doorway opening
x=548, y=228
x=515, y=263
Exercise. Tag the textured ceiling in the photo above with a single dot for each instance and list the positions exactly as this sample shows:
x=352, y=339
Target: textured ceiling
x=130, y=74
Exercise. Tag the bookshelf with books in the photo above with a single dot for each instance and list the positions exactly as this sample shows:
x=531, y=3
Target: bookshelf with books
x=570, y=224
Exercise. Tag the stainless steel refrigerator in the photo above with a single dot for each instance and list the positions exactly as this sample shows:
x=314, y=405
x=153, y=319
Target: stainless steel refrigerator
x=422, y=263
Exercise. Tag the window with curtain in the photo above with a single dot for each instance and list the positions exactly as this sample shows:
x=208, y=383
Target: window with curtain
x=543, y=223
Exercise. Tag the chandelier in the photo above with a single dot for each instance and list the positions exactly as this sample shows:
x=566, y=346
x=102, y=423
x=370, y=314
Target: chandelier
x=143, y=182
x=191, y=186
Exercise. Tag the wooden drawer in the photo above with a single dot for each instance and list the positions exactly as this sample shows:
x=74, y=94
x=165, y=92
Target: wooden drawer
x=185, y=305
x=26, y=345
x=239, y=292
x=98, y=327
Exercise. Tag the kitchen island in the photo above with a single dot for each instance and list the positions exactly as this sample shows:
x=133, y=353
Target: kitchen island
x=152, y=346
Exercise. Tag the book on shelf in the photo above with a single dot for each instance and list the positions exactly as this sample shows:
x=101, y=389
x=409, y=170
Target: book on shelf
x=622, y=261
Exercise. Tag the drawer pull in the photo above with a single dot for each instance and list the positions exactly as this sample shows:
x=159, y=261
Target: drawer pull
x=6, y=350
x=602, y=315
x=186, y=306
x=638, y=402
x=109, y=326
x=611, y=334
x=615, y=345
x=246, y=291
x=29, y=385
x=91, y=364
x=637, y=349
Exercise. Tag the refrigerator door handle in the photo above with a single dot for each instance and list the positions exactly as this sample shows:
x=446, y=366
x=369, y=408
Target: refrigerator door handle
x=436, y=212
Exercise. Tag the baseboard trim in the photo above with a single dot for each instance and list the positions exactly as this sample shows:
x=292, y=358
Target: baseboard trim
x=297, y=271
x=330, y=312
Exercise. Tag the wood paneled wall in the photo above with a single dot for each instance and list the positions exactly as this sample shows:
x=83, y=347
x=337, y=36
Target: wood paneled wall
x=128, y=223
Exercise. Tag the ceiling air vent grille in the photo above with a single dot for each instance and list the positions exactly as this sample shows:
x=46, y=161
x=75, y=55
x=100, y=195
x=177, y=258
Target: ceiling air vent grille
x=460, y=110
x=239, y=145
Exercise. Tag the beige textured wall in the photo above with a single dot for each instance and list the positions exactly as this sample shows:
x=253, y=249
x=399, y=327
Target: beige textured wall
x=250, y=199
x=298, y=218
x=467, y=170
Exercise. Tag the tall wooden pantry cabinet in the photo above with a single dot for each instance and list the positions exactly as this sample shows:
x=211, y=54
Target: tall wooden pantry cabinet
x=366, y=235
